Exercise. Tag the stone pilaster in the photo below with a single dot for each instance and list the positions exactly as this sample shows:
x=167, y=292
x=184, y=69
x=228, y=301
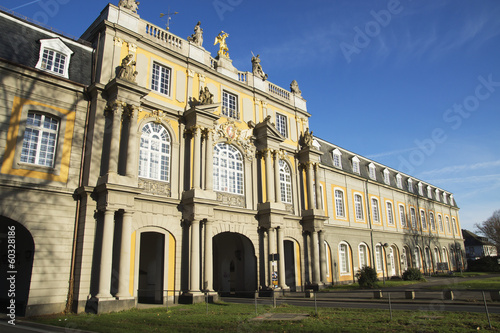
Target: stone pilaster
x=124, y=275
x=208, y=274
x=106, y=255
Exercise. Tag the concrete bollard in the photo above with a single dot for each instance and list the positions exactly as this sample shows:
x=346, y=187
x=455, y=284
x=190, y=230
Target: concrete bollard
x=377, y=294
x=410, y=294
x=448, y=294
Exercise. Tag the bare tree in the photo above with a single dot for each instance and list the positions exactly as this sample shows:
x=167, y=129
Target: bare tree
x=491, y=228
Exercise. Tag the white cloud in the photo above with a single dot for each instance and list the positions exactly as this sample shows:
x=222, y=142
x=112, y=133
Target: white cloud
x=461, y=168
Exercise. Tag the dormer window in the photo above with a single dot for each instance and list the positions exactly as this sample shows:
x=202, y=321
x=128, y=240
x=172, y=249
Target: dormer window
x=355, y=165
x=399, y=181
x=387, y=180
x=429, y=192
x=337, y=158
x=451, y=199
x=444, y=198
x=54, y=57
x=437, y=195
x=371, y=171
x=420, y=189
x=410, y=185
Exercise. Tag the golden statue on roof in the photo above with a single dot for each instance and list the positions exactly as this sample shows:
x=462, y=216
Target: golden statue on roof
x=221, y=39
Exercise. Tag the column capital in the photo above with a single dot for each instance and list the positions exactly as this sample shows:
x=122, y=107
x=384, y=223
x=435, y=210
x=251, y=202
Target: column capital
x=114, y=107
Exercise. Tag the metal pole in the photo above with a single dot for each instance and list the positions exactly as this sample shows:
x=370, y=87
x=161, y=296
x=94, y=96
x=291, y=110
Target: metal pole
x=167, y=300
x=390, y=305
x=274, y=299
x=486, y=308
x=206, y=300
x=315, y=304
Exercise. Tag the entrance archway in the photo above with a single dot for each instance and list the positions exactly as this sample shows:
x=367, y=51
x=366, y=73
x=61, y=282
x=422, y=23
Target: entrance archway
x=235, y=264
x=151, y=267
x=24, y=248
x=292, y=261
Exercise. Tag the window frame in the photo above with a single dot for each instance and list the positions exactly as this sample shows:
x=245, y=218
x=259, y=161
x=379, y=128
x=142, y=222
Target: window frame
x=440, y=222
x=365, y=262
x=157, y=86
x=345, y=260
x=218, y=176
x=372, y=171
x=355, y=165
x=40, y=140
x=423, y=219
x=285, y=186
x=150, y=152
x=375, y=210
x=413, y=218
x=410, y=185
x=358, y=208
x=390, y=213
x=379, y=259
x=399, y=181
x=387, y=177
x=432, y=221
x=57, y=46
x=344, y=215
x=402, y=218
x=282, y=124
x=225, y=111
x=337, y=158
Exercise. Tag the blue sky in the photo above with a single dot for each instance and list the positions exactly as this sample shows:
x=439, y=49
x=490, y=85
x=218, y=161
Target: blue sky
x=414, y=85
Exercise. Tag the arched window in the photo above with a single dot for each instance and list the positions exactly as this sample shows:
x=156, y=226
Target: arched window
x=154, y=156
x=228, y=169
x=390, y=213
x=416, y=257
x=440, y=222
x=363, y=256
x=285, y=182
x=423, y=219
x=344, y=258
x=379, y=257
x=402, y=216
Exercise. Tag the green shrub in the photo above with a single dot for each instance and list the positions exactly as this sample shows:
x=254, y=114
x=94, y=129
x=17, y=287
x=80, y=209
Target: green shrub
x=486, y=264
x=367, y=277
x=412, y=274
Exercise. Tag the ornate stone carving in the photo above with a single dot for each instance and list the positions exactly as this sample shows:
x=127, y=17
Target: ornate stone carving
x=231, y=199
x=127, y=71
x=257, y=68
x=130, y=5
x=206, y=97
x=243, y=138
x=197, y=37
x=294, y=88
x=190, y=73
x=307, y=139
x=221, y=40
x=154, y=187
x=289, y=208
x=113, y=107
x=118, y=41
x=159, y=116
x=132, y=47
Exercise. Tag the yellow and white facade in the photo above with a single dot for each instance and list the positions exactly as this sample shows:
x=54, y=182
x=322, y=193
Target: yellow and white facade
x=168, y=198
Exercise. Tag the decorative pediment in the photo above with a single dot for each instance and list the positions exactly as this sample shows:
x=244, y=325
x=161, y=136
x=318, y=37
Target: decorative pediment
x=266, y=131
x=233, y=135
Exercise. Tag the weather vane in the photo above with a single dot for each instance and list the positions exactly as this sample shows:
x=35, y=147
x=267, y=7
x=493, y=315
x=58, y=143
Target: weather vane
x=169, y=16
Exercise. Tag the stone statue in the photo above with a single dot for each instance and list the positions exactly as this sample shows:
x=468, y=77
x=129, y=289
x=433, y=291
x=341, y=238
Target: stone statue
x=127, y=71
x=197, y=37
x=129, y=4
x=206, y=97
x=257, y=68
x=221, y=40
x=294, y=88
x=307, y=138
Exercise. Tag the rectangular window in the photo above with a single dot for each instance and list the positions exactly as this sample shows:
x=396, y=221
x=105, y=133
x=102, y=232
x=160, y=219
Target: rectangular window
x=413, y=217
x=281, y=122
x=399, y=181
x=402, y=216
x=355, y=167
x=358, y=207
x=378, y=254
x=53, y=61
x=424, y=220
x=230, y=105
x=440, y=222
x=160, y=79
x=40, y=140
x=339, y=203
x=387, y=179
x=344, y=257
x=390, y=217
x=375, y=210
x=372, y=172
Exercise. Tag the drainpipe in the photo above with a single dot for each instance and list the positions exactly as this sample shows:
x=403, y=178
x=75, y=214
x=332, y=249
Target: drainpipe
x=369, y=223
x=69, y=300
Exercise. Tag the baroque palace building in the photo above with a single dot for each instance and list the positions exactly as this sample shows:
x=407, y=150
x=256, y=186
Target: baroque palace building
x=137, y=168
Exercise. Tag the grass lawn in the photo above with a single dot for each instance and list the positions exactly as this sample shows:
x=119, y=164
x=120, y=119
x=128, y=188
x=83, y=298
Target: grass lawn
x=491, y=283
x=237, y=318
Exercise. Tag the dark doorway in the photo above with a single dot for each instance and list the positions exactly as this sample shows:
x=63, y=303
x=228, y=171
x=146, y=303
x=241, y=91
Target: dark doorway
x=17, y=248
x=151, y=268
x=235, y=265
x=290, y=265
